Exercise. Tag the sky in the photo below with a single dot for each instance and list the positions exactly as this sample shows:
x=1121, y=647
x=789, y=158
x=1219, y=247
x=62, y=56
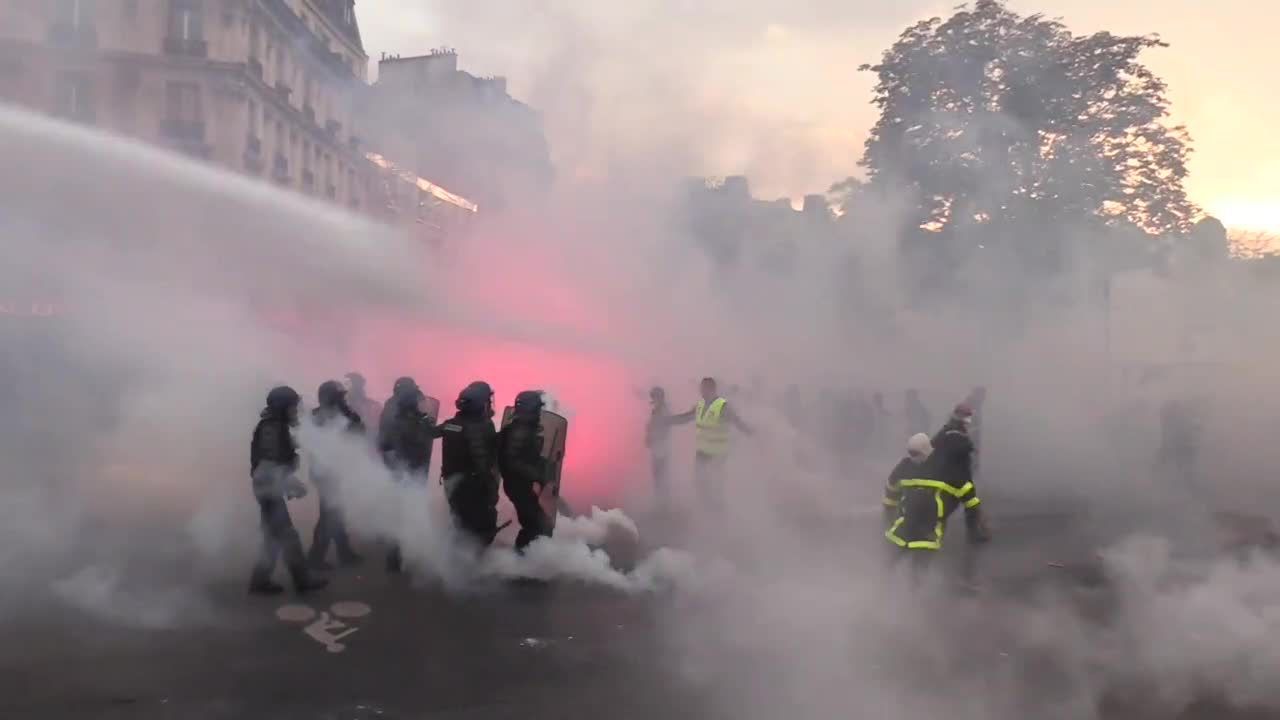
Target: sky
x=770, y=88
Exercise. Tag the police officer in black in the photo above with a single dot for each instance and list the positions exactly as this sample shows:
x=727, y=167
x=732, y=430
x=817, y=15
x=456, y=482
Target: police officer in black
x=468, y=464
x=331, y=525
x=524, y=469
x=405, y=439
x=273, y=466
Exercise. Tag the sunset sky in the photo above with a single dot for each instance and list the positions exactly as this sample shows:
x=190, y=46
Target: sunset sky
x=770, y=87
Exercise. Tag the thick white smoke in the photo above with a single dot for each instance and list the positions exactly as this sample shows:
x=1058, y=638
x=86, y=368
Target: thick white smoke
x=416, y=517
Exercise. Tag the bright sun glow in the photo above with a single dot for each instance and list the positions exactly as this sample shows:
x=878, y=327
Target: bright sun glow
x=1248, y=216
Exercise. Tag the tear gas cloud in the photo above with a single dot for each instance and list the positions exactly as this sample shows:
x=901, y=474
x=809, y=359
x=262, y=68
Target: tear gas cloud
x=124, y=454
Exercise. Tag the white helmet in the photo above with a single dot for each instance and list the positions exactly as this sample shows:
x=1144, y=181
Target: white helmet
x=920, y=446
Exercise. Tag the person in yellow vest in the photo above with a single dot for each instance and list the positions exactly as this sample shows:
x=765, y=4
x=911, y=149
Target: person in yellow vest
x=712, y=416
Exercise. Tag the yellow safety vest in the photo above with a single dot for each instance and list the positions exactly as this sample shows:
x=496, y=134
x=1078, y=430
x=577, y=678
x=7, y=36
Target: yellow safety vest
x=713, y=434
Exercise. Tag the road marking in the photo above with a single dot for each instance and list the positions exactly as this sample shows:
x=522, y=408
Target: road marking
x=350, y=610
x=326, y=627
x=296, y=613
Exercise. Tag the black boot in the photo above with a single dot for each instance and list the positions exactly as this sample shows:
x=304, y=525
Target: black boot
x=264, y=587
x=310, y=584
x=395, y=564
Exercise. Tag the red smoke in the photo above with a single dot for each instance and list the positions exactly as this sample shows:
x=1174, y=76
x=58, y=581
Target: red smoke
x=531, y=290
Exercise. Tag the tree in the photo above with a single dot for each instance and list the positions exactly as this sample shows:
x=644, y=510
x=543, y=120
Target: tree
x=1009, y=130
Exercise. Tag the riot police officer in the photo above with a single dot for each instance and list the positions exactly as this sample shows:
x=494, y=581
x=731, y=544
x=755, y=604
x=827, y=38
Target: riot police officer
x=273, y=466
x=331, y=526
x=405, y=433
x=468, y=464
x=405, y=439
x=524, y=469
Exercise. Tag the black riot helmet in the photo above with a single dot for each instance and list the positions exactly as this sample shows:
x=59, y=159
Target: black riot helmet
x=282, y=402
x=357, y=383
x=476, y=399
x=529, y=404
x=331, y=394
x=404, y=386
x=406, y=392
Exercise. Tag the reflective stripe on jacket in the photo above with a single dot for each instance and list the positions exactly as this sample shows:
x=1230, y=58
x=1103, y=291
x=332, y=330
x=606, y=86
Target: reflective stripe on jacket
x=923, y=509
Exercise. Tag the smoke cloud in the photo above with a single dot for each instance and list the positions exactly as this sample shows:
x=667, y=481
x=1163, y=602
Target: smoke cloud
x=125, y=484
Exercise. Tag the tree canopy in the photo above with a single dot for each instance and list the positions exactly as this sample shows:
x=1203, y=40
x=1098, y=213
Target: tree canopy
x=996, y=124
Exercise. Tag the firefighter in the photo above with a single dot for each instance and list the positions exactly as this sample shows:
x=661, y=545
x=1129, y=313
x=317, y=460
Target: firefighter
x=331, y=525
x=925, y=503
x=713, y=416
x=468, y=464
x=524, y=469
x=911, y=467
x=273, y=466
x=405, y=439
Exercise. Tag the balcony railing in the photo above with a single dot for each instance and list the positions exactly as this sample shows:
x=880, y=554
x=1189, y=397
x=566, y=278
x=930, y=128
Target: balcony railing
x=255, y=68
x=85, y=114
x=280, y=169
x=68, y=35
x=186, y=131
x=186, y=46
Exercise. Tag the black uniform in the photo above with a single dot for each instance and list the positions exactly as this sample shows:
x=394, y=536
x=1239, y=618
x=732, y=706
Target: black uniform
x=468, y=464
x=939, y=486
x=406, y=436
x=906, y=469
x=273, y=464
x=405, y=439
x=331, y=525
x=524, y=469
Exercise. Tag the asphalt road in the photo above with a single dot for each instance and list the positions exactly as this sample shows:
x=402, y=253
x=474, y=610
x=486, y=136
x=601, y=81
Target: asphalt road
x=372, y=646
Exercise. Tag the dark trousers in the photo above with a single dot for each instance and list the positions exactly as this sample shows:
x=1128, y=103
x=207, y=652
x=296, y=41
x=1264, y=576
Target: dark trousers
x=533, y=521
x=331, y=528
x=278, y=536
x=709, y=479
x=473, y=502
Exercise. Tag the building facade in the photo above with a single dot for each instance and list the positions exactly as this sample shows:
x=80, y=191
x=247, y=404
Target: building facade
x=267, y=87
x=464, y=131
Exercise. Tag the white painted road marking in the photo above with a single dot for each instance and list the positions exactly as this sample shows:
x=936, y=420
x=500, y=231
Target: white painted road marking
x=325, y=627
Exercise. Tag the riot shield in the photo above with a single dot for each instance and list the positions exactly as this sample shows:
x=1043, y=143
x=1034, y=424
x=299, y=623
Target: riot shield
x=554, y=430
x=430, y=407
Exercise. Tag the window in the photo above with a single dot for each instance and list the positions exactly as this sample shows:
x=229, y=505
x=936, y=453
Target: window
x=182, y=103
x=186, y=20
x=77, y=13
x=75, y=96
x=253, y=118
x=131, y=9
